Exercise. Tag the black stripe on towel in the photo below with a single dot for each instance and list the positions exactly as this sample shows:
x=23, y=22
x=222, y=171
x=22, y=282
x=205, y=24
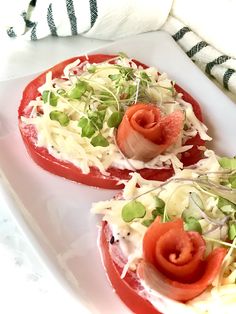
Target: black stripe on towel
x=226, y=77
x=10, y=32
x=33, y=3
x=180, y=34
x=217, y=61
x=50, y=20
x=93, y=11
x=28, y=23
x=72, y=17
x=195, y=49
x=33, y=35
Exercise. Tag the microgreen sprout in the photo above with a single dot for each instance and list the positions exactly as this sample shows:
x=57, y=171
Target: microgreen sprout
x=192, y=224
x=132, y=210
x=115, y=119
x=232, y=230
x=87, y=127
x=49, y=97
x=158, y=211
x=59, y=116
x=99, y=140
x=78, y=90
x=228, y=163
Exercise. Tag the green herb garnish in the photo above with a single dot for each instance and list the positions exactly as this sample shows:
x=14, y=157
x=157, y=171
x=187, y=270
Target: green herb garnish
x=87, y=127
x=226, y=206
x=114, y=77
x=145, y=77
x=232, y=230
x=232, y=180
x=228, y=163
x=132, y=210
x=99, y=140
x=115, y=119
x=59, y=116
x=192, y=224
x=92, y=68
x=49, y=97
x=97, y=118
x=147, y=222
x=78, y=90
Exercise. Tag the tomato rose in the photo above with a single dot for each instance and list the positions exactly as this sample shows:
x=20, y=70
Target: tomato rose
x=174, y=262
x=144, y=134
x=70, y=171
x=169, y=252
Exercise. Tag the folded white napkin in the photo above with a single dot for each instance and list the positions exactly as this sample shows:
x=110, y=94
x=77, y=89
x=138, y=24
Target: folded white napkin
x=112, y=19
x=102, y=19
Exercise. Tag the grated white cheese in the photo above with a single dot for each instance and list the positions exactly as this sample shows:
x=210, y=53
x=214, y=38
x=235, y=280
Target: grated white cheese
x=175, y=193
x=66, y=142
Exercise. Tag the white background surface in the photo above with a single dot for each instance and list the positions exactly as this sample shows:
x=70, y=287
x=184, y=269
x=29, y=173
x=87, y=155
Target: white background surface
x=24, y=285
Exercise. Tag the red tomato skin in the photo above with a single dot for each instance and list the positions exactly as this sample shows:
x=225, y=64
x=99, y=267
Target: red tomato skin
x=127, y=288
x=69, y=171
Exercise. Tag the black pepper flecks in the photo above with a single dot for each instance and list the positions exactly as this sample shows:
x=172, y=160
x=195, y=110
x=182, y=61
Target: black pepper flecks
x=112, y=240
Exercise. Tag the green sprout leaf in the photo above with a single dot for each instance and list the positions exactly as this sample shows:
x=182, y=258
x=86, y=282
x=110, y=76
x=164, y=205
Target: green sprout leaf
x=226, y=206
x=157, y=212
x=99, y=140
x=115, y=119
x=147, y=222
x=160, y=204
x=127, y=73
x=228, y=163
x=131, y=90
x=49, y=97
x=232, y=231
x=92, y=68
x=232, y=180
x=192, y=224
x=78, y=90
x=59, y=116
x=97, y=118
x=107, y=98
x=114, y=77
x=145, y=77
x=87, y=127
x=132, y=210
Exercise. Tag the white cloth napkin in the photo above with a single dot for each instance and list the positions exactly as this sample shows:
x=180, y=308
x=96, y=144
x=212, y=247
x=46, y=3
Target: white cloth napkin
x=112, y=19
x=102, y=19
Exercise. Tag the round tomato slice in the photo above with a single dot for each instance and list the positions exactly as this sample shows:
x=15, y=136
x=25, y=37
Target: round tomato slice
x=68, y=170
x=127, y=289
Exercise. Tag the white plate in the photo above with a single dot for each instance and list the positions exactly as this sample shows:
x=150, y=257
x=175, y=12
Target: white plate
x=54, y=212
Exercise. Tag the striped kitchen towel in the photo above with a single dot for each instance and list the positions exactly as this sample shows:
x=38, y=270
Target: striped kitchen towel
x=215, y=64
x=101, y=19
x=112, y=19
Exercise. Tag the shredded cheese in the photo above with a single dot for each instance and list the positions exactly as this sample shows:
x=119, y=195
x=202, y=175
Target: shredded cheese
x=67, y=142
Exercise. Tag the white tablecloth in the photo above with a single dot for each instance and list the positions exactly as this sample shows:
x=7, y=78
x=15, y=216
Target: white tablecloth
x=25, y=285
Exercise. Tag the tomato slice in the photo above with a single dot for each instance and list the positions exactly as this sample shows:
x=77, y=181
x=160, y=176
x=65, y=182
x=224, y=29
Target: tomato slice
x=68, y=170
x=127, y=289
